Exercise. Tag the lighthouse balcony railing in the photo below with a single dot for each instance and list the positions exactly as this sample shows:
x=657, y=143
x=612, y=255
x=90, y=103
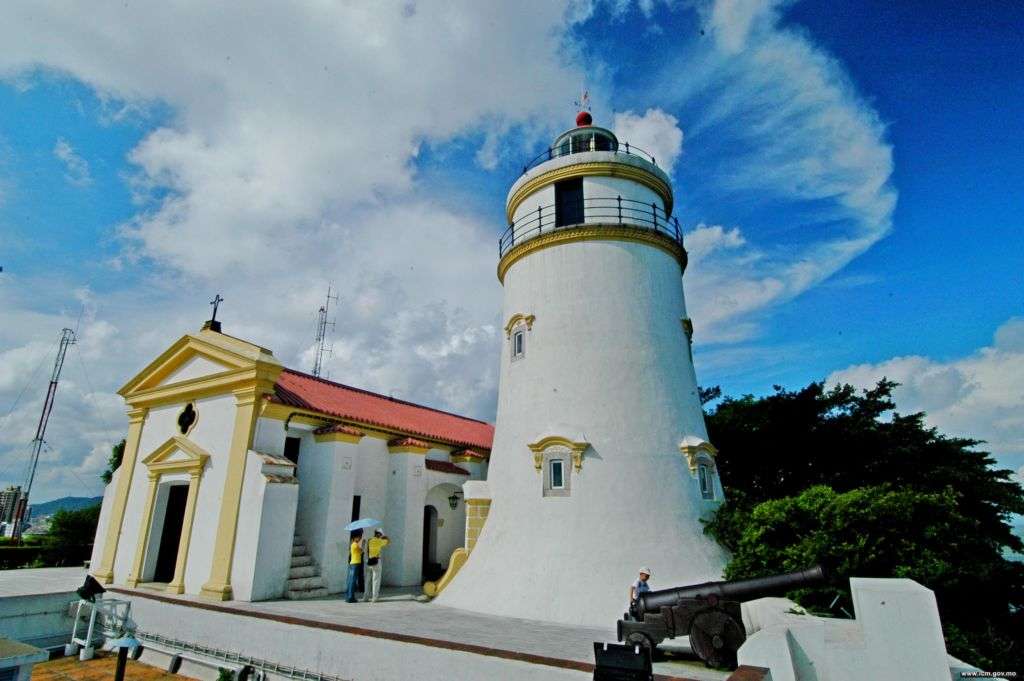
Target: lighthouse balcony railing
x=599, y=210
x=579, y=145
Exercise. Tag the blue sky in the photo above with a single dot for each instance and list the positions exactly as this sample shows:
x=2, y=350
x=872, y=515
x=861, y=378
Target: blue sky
x=849, y=178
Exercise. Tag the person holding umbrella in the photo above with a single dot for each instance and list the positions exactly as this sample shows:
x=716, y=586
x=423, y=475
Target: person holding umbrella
x=355, y=561
x=355, y=554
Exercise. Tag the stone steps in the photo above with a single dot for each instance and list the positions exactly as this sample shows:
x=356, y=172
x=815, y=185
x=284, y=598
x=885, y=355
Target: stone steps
x=305, y=583
x=303, y=570
x=304, y=580
x=306, y=595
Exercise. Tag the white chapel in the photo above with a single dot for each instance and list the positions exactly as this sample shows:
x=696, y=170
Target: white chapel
x=239, y=476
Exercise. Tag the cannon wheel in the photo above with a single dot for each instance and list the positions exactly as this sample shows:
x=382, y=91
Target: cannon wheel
x=715, y=637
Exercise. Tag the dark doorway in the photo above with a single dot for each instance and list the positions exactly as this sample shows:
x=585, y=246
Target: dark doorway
x=432, y=570
x=291, y=450
x=174, y=518
x=357, y=501
x=569, y=202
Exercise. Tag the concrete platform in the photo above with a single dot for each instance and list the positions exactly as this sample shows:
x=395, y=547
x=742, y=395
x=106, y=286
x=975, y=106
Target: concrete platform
x=34, y=604
x=397, y=637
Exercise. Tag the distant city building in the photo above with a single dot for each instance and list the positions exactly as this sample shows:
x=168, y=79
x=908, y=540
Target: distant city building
x=9, y=502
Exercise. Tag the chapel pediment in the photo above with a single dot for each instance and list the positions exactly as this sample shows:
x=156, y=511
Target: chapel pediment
x=195, y=360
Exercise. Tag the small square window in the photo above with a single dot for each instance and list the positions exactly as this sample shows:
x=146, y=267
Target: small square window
x=518, y=344
x=557, y=481
x=557, y=474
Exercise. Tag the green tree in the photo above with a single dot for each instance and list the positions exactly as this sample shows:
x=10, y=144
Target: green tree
x=113, y=462
x=74, y=528
x=837, y=477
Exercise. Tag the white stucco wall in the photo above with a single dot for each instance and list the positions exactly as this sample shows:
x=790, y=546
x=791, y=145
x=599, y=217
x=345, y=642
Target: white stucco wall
x=316, y=474
x=266, y=524
x=606, y=362
x=406, y=493
x=104, y=522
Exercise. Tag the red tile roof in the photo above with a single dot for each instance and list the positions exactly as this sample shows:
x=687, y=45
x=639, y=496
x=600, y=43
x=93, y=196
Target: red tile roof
x=445, y=467
x=339, y=428
x=407, y=442
x=470, y=453
x=303, y=391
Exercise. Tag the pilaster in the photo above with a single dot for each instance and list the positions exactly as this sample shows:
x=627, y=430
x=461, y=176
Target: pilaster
x=136, y=419
x=147, y=520
x=218, y=586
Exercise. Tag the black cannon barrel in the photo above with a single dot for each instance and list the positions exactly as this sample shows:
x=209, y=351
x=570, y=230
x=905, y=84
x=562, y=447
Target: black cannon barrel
x=741, y=590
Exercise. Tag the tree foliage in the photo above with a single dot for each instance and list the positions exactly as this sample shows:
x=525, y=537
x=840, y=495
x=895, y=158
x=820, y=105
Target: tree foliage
x=74, y=528
x=837, y=477
x=113, y=462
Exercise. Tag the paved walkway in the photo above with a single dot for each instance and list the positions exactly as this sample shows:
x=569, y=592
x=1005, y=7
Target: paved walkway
x=400, y=615
x=38, y=581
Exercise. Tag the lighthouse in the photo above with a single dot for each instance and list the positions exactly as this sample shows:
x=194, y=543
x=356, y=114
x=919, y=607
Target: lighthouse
x=601, y=462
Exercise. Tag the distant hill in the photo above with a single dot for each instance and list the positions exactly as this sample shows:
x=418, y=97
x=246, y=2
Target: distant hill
x=66, y=503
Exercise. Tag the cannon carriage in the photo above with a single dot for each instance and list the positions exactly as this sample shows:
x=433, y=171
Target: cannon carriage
x=708, y=613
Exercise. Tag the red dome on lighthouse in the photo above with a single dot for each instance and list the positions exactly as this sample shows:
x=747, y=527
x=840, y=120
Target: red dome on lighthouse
x=583, y=118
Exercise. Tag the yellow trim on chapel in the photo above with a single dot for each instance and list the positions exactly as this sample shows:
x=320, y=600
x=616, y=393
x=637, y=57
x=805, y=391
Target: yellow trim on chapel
x=348, y=438
x=218, y=586
x=575, y=448
x=592, y=232
x=598, y=168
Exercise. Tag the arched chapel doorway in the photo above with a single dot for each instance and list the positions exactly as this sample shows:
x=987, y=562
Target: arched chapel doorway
x=444, y=528
x=431, y=569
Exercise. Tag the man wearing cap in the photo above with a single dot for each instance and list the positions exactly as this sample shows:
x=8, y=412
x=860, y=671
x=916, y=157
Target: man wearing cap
x=639, y=587
x=374, y=547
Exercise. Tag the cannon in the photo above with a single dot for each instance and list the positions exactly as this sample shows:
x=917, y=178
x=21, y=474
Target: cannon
x=708, y=613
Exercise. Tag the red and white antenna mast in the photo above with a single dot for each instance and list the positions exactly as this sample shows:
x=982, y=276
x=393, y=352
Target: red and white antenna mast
x=67, y=338
x=322, y=347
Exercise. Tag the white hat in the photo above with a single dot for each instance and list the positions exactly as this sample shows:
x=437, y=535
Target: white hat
x=645, y=571
x=379, y=529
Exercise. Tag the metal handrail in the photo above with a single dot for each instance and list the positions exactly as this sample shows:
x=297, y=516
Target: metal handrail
x=233, y=657
x=605, y=210
x=568, y=148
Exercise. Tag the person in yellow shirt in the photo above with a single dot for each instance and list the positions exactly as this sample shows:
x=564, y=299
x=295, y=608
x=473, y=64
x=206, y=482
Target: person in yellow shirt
x=374, y=547
x=355, y=559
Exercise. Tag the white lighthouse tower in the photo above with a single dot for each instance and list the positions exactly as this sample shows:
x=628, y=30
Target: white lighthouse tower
x=600, y=463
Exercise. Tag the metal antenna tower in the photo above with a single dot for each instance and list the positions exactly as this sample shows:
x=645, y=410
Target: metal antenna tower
x=322, y=325
x=67, y=338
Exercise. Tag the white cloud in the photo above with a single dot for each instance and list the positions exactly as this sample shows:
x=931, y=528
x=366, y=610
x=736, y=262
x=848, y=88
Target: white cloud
x=979, y=396
x=76, y=168
x=794, y=131
x=282, y=168
x=656, y=132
